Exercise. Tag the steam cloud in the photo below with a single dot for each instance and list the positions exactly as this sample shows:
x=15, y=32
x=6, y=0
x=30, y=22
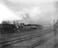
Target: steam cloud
x=37, y=16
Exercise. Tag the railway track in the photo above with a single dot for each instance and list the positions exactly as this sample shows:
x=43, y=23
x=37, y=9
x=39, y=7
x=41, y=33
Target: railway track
x=27, y=39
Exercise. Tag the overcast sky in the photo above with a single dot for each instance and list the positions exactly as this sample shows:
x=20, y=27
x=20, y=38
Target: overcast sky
x=32, y=1
x=39, y=8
